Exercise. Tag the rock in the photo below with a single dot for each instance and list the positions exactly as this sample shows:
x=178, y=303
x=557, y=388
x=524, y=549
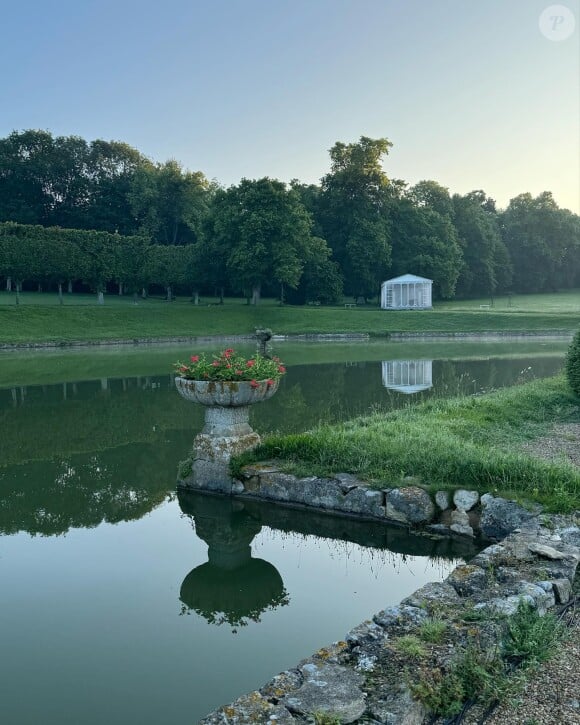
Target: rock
x=571, y=535
x=500, y=517
x=330, y=689
x=562, y=590
x=282, y=684
x=395, y=706
x=252, y=708
x=347, y=481
x=467, y=580
x=543, y=599
x=442, y=499
x=465, y=500
x=366, y=633
x=237, y=487
x=548, y=552
x=460, y=523
x=507, y=606
x=403, y=616
x=324, y=493
x=433, y=593
x=411, y=505
x=364, y=501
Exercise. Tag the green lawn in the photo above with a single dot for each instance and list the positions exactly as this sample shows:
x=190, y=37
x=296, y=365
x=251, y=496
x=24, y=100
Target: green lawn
x=40, y=318
x=465, y=442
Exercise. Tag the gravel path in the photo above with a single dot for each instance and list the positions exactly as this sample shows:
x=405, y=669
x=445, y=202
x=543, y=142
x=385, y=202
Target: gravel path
x=552, y=693
x=563, y=442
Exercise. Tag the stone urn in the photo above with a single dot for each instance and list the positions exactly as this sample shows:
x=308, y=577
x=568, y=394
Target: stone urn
x=226, y=432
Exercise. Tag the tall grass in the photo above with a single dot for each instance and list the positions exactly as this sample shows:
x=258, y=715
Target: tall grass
x=461, y=442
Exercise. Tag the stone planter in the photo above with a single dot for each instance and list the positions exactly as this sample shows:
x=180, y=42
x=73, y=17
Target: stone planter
x=227, y=431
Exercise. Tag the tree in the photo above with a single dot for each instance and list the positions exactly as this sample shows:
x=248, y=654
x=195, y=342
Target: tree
x=354, y=213
x=479, y=237
x=165, y=266
x=321, y=280
x=265, y=232
x=426, y=244
x=170, y=204
x=541, y=238
x=432, y=195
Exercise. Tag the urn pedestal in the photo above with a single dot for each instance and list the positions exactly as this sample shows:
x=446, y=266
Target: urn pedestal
x=226, y=432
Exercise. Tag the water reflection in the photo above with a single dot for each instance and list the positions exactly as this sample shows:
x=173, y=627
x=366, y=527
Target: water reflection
x=408, y=376
x=232, y=587
x=235, y=588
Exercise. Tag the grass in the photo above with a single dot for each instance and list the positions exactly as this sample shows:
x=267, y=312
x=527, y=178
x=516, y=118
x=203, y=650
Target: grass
x=489, y=675
x=465, y=442
x=39, y=318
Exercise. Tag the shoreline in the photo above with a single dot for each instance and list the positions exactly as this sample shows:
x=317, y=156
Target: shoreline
x=545, y=335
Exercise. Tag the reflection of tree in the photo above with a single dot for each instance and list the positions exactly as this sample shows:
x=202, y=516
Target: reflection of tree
x=232, y=587
x=120, y=484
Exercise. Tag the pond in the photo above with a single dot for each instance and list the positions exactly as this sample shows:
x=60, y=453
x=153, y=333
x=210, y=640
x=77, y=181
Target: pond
x=121, y=602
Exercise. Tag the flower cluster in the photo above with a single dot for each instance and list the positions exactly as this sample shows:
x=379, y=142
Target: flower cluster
x=229, y=365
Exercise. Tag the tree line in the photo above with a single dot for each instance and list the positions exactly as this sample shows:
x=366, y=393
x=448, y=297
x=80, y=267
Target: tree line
x=102, y=213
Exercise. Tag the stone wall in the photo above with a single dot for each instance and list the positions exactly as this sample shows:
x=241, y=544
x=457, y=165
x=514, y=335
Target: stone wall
x=365, y=677
x=459, y=513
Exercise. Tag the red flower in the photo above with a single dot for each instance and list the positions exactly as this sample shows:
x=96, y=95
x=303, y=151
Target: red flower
x=251, y=363
x=276, y=359
x=194, y=358
x=229, y=351
x=239, y=372
x=269, y=382
x=228, y=365
x=254, y=384
x=216, y=364
x=281, y=369
x=183, y=369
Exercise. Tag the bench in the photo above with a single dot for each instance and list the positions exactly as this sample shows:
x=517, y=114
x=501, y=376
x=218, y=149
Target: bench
x=484, y=307
x=350, y=304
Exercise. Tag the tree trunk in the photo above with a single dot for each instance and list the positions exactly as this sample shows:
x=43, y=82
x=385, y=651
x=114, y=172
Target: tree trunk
x=120, y=289
x=100, y=298
x=17, y=293
x=169, y=295
x=256, y=294
x=281, y=293
x=143, y=293
x=221, y=295
x=195, y=297
x=69, y=288
x=39, y=287
x=60, y=299
x=8, y=284
x=135, y=296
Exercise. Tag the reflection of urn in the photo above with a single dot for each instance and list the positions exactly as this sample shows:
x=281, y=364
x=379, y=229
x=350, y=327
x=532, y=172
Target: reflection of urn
x=227, y=431
x=232, y=587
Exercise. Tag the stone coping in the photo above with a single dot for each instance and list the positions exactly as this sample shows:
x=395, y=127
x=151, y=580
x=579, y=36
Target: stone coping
x=365, y=678
x=461, y=513
x=314, y=337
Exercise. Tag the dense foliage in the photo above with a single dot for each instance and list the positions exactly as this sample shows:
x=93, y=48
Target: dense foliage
x=573, y=364
x=101, y=213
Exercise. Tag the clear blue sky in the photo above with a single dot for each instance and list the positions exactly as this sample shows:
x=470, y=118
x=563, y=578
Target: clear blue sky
x=469, y=91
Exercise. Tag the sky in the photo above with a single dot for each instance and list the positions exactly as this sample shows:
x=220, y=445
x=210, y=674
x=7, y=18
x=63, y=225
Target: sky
x=475, y=94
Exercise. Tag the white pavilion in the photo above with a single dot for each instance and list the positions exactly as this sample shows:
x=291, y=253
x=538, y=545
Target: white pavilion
x=407, y=292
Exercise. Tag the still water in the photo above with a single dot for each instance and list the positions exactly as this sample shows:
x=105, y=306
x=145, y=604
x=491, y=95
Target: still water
x=122, y=603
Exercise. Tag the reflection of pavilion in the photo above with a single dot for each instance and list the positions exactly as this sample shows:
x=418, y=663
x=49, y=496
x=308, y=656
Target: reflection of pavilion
x=408, y=376
x=231, y=587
